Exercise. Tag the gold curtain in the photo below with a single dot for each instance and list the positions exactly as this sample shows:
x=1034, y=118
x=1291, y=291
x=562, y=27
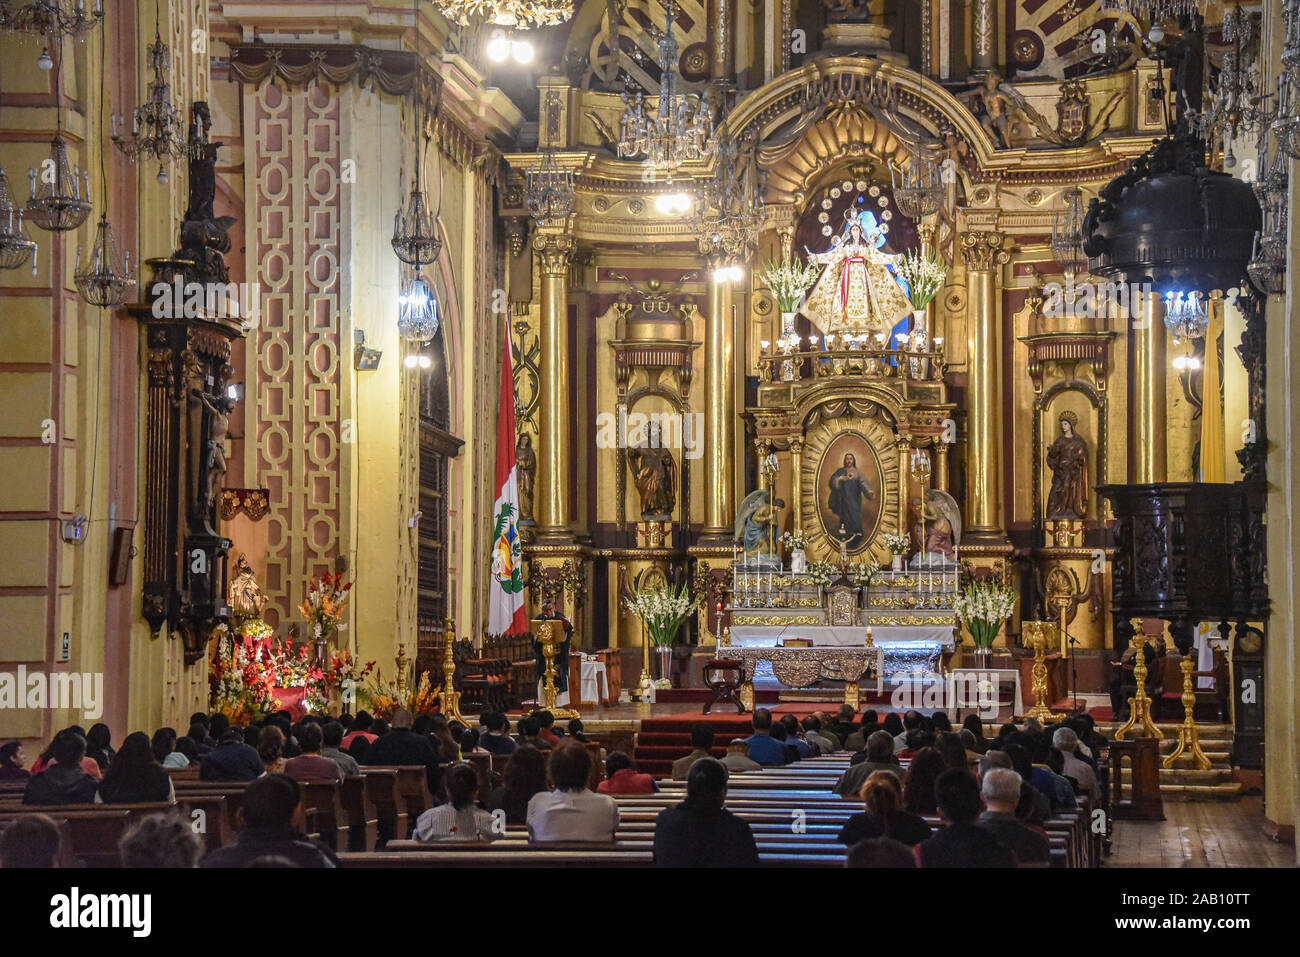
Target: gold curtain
x=1212, y=469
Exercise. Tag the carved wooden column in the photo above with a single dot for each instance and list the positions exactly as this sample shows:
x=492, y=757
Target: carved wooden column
x=554, y=253
x=983, y=255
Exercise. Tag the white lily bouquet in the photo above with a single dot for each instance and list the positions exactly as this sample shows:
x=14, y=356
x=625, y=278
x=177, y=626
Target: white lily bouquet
x=924, y=274
x=796, y=541
x=862, y=574
x=982, y=607
x=821, y=574
x=663, y=609
x=897, y=544
x=788, y=279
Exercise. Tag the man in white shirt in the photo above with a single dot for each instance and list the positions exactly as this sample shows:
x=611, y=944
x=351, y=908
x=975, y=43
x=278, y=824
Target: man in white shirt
x=572, y=812
x=1067, y=742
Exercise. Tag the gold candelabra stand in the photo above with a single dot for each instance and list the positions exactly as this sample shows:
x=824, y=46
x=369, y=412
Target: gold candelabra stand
x=1189, y=736
x=450, y=696
x=545, y=629
x=1040, y=633
x=1139, y=705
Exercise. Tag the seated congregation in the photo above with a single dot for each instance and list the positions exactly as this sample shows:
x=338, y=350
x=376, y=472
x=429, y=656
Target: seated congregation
x=356, y=791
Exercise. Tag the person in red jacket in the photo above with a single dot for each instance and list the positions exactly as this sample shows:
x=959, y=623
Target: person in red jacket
x=622, y=777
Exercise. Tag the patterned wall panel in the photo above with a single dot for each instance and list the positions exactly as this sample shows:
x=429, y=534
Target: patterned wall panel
x=294, y=213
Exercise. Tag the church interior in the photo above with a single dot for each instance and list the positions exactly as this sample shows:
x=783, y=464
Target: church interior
x=642, y=382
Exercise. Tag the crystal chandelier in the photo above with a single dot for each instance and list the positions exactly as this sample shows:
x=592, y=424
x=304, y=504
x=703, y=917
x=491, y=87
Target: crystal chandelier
x=157, y=127
x=1187, y=314
x=415, y=237
x=1236, y=103
x=918, y=188
x=1067, y=235
x=61, y=18
x=417, y=317
x=1286, y=120
x=729, y=216
x=515, y=13
x=549, y=190
x=1152, y=11
x=15, y=247
x=58, y=201
x=682, y=126
x=106, y=280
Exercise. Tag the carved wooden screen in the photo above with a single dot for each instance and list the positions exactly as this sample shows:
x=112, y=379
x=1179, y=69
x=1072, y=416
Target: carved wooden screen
x=436, y=447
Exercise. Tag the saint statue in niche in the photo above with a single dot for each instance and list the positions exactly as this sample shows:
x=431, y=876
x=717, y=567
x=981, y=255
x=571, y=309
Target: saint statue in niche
x=245, y=595
x=856, y=291
x=1067, y=457
x=652, y=472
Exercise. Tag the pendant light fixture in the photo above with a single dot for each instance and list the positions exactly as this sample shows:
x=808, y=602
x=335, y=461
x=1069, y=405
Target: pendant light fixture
x=106, y=280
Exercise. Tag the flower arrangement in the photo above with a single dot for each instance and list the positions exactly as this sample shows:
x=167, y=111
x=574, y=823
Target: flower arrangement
x=796, y=540
x=923, y=273
x=255, y=630
x=821, y=574
x=663, y=609
x=897, y=544
x=243, y=676
x=862, y=574
x=788, y=279
x=414, y=694
x=982, y=606
x=342, y=673
x=327, y=599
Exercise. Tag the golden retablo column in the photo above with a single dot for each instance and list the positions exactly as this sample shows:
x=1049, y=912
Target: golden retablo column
x=554, y=252
x=983, y=254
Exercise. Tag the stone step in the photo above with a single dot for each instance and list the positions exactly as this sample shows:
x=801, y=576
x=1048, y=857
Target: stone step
x=1228, y=791
x=1214, y=776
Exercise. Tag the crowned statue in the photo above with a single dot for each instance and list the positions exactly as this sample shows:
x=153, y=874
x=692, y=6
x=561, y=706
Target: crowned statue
x=856, y=292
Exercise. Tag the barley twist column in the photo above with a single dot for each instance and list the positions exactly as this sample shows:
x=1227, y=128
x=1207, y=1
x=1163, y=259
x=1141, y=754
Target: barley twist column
x=983, y=254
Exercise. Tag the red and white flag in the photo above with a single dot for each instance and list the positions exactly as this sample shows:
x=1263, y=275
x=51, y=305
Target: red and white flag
x=506, y=611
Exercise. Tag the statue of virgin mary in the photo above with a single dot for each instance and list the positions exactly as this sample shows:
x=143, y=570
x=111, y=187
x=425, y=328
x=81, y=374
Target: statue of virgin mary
x=856, y=292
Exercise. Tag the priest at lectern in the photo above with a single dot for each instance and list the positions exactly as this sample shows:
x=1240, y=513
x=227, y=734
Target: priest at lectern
x=548, y=613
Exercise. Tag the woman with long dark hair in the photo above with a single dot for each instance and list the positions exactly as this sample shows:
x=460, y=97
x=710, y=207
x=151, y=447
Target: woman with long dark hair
x=525, y=776
x=135, y=776
x=918, y=788
x=975, y=725
x=99, y=740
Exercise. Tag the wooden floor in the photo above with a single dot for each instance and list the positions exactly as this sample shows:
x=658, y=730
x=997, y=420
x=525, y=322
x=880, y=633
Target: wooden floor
x=1200, y=834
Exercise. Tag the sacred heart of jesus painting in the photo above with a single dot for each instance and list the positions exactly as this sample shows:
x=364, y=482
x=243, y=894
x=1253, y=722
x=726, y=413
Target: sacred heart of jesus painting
x=850, y=491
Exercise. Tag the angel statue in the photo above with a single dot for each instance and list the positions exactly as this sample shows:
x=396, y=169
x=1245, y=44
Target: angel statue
x=1001, y=110
x=856, y=291
x=936, y=528
x=756, y=529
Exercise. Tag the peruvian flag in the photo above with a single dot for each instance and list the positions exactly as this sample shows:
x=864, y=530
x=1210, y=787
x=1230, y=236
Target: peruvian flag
x=506, y=614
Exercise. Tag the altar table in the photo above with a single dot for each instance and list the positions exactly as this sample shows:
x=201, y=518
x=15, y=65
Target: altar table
x=799, y=667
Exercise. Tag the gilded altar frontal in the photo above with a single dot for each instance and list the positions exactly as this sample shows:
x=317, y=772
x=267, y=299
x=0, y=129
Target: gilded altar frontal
x=656, y=365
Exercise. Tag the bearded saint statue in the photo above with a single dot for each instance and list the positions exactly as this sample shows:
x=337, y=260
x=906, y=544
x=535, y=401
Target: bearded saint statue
x=855, y=291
